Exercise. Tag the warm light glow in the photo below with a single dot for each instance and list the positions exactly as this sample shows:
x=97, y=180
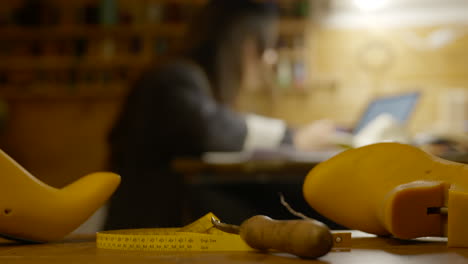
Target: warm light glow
x=370, y=5
x=270, y=56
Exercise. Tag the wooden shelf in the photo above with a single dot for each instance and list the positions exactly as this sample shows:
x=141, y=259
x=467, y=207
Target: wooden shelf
x=80, y=2
x=68, y=62
x=105, y=51
x=293, y=26
x=73, y=3
x=112, y=90
x=286, y=26
x=92, y=31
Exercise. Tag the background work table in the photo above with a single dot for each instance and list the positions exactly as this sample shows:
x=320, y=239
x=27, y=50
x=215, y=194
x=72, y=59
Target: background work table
x=239, y=185
x=365, y=249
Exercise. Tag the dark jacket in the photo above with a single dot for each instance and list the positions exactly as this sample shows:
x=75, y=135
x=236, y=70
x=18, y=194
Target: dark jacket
x=170, y=113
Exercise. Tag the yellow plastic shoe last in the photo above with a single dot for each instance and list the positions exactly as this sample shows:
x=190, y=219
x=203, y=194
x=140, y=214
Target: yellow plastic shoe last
x=392, y=189
x=30, y=210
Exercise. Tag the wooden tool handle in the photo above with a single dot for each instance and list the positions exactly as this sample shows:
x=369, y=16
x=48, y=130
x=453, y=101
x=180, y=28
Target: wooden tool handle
x=303, y=238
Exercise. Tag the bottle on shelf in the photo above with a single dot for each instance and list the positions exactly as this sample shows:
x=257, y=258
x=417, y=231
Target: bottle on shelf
x=284, y=72
x=108, y=10
x=154, y=12
x=299, y=64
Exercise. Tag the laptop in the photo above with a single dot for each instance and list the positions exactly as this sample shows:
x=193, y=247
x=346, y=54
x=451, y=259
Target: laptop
x=400, y=107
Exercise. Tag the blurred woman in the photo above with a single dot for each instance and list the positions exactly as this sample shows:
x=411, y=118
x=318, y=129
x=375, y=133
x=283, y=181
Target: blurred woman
x=185, y=107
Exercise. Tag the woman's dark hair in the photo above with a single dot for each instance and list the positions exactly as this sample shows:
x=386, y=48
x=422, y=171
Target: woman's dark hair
x=216, y=35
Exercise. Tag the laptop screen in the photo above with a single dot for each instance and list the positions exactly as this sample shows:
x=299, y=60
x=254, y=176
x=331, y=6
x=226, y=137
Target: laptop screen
x=399, y=106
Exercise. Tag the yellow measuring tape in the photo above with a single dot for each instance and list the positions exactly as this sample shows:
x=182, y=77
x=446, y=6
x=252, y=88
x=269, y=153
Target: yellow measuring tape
x=197, y=236
x=200, y=235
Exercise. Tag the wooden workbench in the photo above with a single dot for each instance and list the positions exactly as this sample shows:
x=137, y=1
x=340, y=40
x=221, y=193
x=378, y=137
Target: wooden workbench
x=365, y=249
x=238, y=189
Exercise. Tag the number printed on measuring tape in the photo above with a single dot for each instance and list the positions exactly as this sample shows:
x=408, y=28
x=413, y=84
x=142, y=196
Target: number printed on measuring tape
x=176, y=242
x=197, y=236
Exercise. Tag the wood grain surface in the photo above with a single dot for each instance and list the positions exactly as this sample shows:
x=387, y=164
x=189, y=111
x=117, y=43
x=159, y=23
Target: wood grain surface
x=365, y=249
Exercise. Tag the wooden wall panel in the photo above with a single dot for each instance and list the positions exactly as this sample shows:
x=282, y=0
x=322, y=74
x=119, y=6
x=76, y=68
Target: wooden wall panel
x=59, y=140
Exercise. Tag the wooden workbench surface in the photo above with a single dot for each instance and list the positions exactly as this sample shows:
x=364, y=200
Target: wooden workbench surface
x=365, y=249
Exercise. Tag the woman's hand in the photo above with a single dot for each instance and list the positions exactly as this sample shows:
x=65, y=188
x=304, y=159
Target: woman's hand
x=318, y=135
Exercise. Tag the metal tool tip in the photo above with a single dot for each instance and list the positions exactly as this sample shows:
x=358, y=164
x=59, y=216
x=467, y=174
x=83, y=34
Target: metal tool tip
x=214, y=221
